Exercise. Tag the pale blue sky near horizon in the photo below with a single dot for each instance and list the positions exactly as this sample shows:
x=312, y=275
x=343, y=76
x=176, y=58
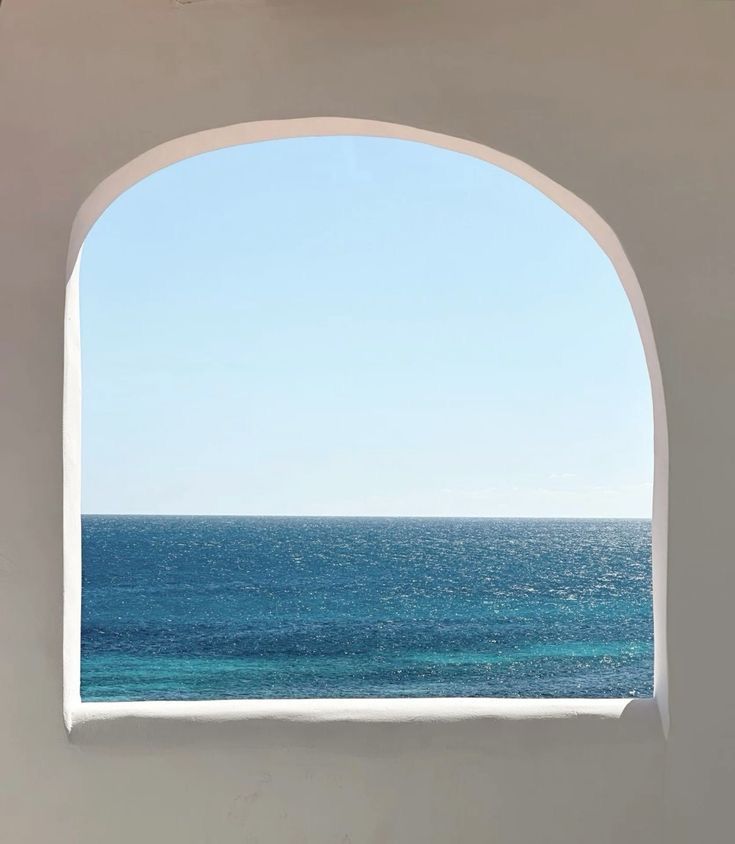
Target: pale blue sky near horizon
x=356, y=326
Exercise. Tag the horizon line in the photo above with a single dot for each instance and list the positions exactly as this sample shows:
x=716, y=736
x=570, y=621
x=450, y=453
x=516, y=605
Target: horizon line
x=365, y=516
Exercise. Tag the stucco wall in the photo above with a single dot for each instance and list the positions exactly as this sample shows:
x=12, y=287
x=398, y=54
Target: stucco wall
x=626, y=104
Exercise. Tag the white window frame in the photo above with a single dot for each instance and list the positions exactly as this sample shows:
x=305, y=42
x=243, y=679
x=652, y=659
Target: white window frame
x=87, y=718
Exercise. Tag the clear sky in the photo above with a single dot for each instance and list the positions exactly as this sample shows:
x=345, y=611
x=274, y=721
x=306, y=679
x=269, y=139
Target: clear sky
x=356, y=326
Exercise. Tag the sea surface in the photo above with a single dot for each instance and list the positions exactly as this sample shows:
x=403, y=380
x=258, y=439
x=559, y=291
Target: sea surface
x=190, y=608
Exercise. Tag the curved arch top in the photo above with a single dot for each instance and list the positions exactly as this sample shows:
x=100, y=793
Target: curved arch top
x=209, y=140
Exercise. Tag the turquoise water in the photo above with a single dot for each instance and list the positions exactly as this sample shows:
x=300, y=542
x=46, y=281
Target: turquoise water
x=185, y=608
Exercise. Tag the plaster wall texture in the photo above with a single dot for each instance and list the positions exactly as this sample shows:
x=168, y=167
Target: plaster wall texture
x=629, y=106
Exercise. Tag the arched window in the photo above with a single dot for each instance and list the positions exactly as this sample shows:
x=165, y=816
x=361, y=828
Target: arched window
x=362, y=417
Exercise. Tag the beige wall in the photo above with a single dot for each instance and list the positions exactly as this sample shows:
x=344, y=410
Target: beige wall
x=628, y=105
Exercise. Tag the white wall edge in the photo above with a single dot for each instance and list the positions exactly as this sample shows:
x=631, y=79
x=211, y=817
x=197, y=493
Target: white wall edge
x=106, y=719
x=72, y=529
x=78, y=715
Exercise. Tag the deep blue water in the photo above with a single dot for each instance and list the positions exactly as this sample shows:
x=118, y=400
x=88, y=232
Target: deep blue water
x=181, y=608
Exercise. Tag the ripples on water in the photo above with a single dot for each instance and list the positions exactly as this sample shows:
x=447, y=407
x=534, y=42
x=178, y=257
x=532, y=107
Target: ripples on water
x=178, y=608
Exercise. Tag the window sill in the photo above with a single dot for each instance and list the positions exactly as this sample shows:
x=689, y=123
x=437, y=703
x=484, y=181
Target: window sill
x=112, y=723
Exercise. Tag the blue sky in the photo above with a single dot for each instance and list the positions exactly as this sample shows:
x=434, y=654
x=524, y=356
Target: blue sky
x=356, y=326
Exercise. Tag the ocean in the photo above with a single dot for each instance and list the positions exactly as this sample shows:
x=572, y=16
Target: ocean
x=194, y=608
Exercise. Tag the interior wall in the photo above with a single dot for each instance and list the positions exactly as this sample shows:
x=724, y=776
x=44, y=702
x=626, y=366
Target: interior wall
x=626, y=105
